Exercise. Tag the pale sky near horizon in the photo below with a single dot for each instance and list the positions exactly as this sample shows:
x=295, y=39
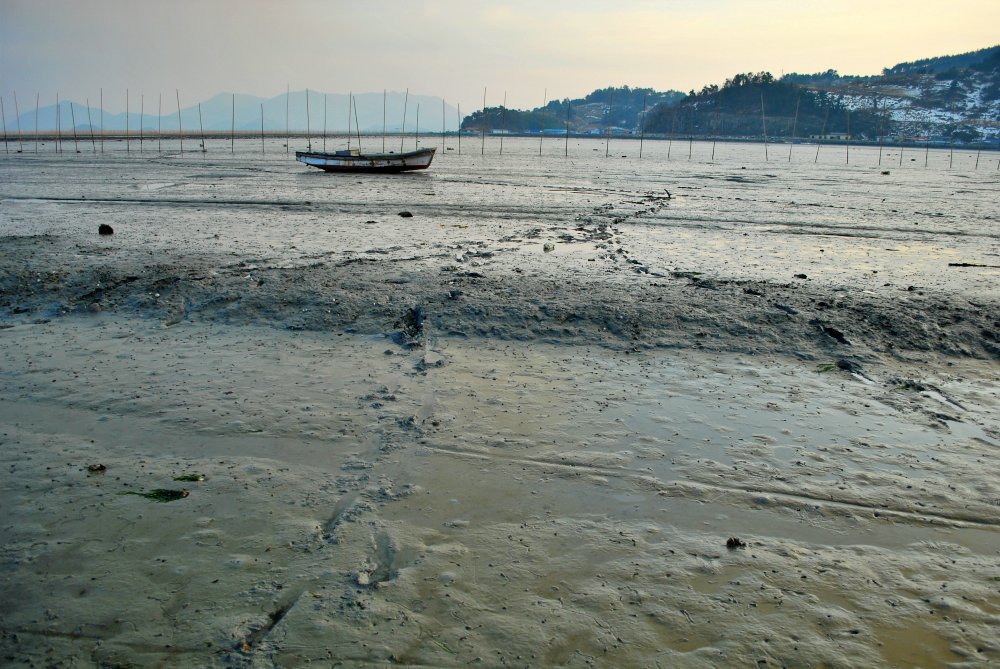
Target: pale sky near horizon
x=455, y=48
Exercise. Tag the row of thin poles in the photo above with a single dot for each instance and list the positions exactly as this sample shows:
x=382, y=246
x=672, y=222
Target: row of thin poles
x=352, y=111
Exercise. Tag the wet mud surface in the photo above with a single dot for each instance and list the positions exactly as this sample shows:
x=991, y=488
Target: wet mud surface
x=515, y=429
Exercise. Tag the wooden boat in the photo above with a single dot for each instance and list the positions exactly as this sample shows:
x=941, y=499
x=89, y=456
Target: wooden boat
x=352, y=160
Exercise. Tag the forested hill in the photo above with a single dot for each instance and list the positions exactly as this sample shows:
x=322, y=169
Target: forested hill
x=951, y=97
x=620, y=107
x=944, y=98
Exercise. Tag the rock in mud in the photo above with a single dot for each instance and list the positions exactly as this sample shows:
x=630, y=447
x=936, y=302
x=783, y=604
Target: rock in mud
x=105, y=229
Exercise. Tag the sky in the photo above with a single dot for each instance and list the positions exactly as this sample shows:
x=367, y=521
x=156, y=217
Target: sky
x=532, y=49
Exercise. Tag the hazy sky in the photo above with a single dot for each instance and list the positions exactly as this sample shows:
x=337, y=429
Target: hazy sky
x=453, y=48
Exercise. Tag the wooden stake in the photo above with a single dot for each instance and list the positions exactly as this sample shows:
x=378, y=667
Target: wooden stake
x=927, y=146
x=795, y=125
x=180, y=123
x=951, y=140
x=101, y=104
x=72, y=119
x=673, y=126
x=607, y=142
x=902, y=137
x=566, y=148
x=288, y=137
x=37, y=98
x=357, y=124
x=848, y=137
x=90, y=124
x=58, y=125
x=309, y=145
x=763, y=124
x=541, y=131
x=458, y=112
x=691, y=135
x=17, y=119
x=127, y=148
x=482, y=150
x=642, y=126
x=881, y=130
x=324, y=124
x=262, y=128
x=384, y=93
x=715, y=128
x=402, y=129
x=822, y=132
x=232, y=129
x=443, y=148
x=503, y=121
x=142, y=112
x=3, y=114
x=201, y=129
x=159, y=124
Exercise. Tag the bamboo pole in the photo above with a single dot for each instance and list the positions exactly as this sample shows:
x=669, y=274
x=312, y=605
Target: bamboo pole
x=17, y=119
x=288, y=96
x=763, y=124
x=566, y=148
x=402, y=129
x=127, y=148
x=691, y=135
x=201, y=129
x=262, y=128
x=902, y=137
x=90, y=124
x=416, y=130
x=37, y=99
x=715, y=128
x=443, y=148
x=308, y=125
x=927, y=146
x=232, y=129
x=3, y=114
x=101, y=104
x=58, y=125
x=881, y=131
x=822, y=132
x=482, y=150
x=541, y=131
x=951, y=139
x=324, y=124
x=159, y=124
x=503, y=121
x=384, y=94
x=848, y=137
x=357, y=125
x=72, y=119
x=795, y=125
x=607, y=142
x=673, y=126
x=458, y=112
x=142, y=112
x=180, y=123
x=642, y=125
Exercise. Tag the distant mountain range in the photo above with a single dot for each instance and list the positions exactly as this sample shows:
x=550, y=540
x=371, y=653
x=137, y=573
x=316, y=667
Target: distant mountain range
x=217, y=113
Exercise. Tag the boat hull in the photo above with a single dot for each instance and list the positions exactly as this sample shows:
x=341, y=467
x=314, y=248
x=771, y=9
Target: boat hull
x=371, y=162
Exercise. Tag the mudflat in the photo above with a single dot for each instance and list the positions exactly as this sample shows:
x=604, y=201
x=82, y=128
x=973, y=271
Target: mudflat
x=574, y=411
